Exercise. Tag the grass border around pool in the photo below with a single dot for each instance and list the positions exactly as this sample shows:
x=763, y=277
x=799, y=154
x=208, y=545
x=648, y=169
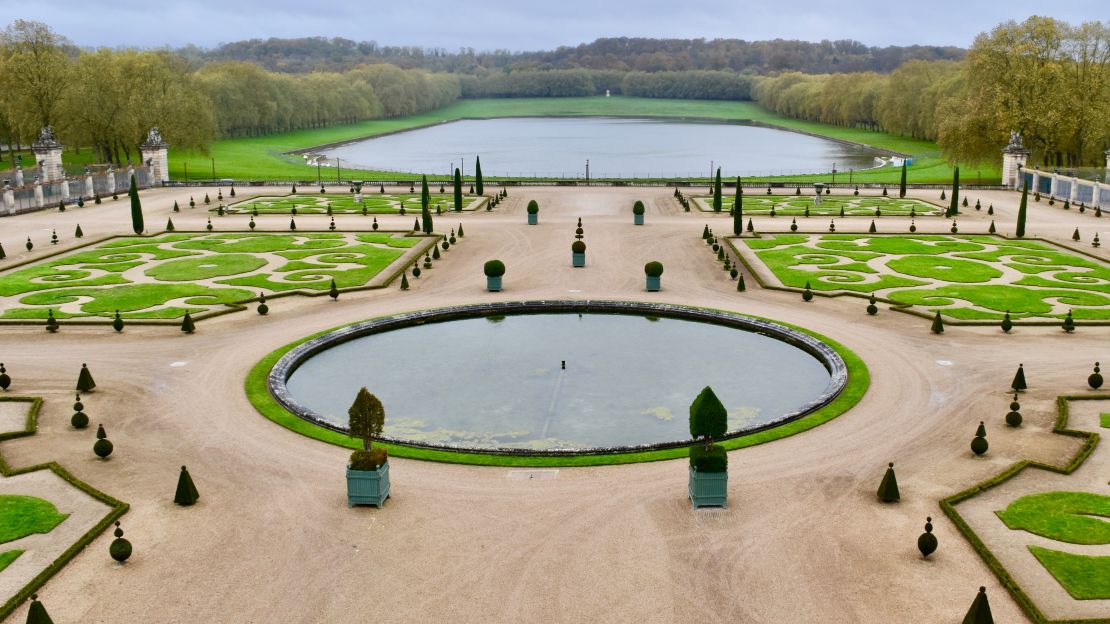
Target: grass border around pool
x=907, y=308
x=948, y=505
x=258, y=393
x=118, y=507
x=228, y=308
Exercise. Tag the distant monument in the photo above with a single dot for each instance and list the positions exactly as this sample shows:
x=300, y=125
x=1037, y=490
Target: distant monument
x=48, y=153
x=1014, y=156
x=155, y=152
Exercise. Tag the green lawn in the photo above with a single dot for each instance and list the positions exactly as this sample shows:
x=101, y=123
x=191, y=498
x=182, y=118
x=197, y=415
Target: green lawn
x=21, y=516
x=344, y=203
x=1084, y=577
x=830, y=206
x=165, y=276
x=264, y=157
x=8, y=556
x=1072, y=517
x=968, y=277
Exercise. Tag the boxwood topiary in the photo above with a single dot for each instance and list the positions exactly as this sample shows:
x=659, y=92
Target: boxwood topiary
x=653, y=268
x=533, y=207
x=708, y=459
x=1094, y=380
x=578, y=247
x=120, y=548
x=369, y=460
x=638, y=208
x=494, y=268
x=708, y=416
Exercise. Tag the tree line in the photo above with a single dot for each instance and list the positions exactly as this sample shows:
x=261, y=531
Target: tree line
x=690, y=85
x=1044, y=78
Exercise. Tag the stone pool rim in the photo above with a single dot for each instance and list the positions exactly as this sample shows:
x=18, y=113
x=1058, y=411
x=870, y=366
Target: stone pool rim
x=292, y=356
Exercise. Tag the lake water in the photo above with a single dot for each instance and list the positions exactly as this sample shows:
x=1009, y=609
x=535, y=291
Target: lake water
x=616, y=148
x=498, y=382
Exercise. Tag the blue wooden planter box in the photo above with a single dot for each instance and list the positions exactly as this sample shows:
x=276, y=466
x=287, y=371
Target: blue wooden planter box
x=653, y=283
x=708, y=489
x=368, y=487
x=638, y=219
x=533, y=219
x=578, y=259
x=493, y=284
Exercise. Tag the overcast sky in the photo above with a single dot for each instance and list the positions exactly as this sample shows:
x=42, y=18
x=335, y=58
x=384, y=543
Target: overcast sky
x=530, y=25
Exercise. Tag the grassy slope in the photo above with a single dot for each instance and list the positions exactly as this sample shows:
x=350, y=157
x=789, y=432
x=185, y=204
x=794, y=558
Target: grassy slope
x=261, y=157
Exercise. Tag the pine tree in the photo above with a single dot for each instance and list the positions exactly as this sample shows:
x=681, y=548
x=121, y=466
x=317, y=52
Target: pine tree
x=1023, y=208
x=954, y=206
x=888, y=487
x=717, y=191
x=186, y=493
x=136, y=207
x=902, y=181
x=738, y=209
x=458, y=190
x=366, y=418
x=479, y=184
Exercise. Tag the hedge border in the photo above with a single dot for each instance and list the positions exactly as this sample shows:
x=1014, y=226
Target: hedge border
x=906, y=308
x=118, y=507
x=948, y=505
x=228, y=308
x=479, y=201
x=258, y=393
x=702, y=201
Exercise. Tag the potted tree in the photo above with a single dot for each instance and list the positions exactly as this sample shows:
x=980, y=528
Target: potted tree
x=653, y=270
x=708, y=462
x=533, y=212
x=494, y=269
x=578, y=253
x=638, y=213
x=368, y=471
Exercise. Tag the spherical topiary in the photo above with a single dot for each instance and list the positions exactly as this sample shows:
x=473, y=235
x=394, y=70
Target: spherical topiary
x=653, y=269
x=103, y=447
x=117, y=323
x=1007, y=324
x=5, y=380
x=494, y=268
x=1094, y=380
x=263, y=309
x=979, y=445
x=638, y=208
x=807, y=294
x=1013, y=418
x=793, y=225
x=872, y=309
x=79, y=420
x=578, y=247
x=120, y=549
x=533, y=207
x=415, y=269
x=927, y=542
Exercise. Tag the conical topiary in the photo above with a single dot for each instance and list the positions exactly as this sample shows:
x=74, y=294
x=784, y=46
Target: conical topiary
x=85, y=381
x=1069, y=323
x=5, y=380
x=461, y=231
x=740, y=287
x=1007, y=324
x=872, y=309
x=1019, y=379
x=938, y=324
x=1013, y=417
x=2, y=254
x=51, y=322
x=416, y=225
x=888, y=487
x=117, y=323
x=263, y=309
x=435, y=253
x=78, y=233
x=292, y=224
x=405, y=280
x=1075, y=235
x=1094, y=380
x=333, y=291
x=872, y=229
x=807, y=294
x=119, y=549
x=992, y=229
x=187, y=324
x=169, y=225
x=186, y=492
x=37, y=614
x=927, y=542
x=103, y=447
x=708, y=416
x=980, y=611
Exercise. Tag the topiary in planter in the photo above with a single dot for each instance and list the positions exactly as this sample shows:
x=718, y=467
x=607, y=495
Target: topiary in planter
x=103, y=446
x=85, y=381
x=888, y=487
x=1069, y=323
x=533, y=207
x=51, y=322
x=637, y=208
x=369, y=459
x=927, y=542
x=117, y=323
x=1007, y=324
x=653, y=269
x=872, y=309
x=263, y=309
x=120, y=549
x=494, y=268
x=186, y=493
x=578, y=247
x=333, y=291
x=1094, y=380
x=979, y=442
x=938, y=324
x=980, y=611
x=708, y=416
x=1013, y=417
x=5, y=380
x=807, y=294
x=711, y=458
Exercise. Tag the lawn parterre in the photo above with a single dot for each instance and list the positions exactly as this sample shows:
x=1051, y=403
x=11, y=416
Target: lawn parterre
x=971, y=278
x=167, y=275
x=344, y=203
x=829, y=206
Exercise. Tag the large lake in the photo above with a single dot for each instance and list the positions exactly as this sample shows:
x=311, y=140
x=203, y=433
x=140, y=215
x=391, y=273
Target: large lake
x=616, y=148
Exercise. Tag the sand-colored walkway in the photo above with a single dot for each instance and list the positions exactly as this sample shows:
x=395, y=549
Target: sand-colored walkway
x=804, y=539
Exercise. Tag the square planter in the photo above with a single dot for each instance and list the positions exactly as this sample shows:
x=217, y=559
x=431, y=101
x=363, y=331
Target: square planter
x=578, y=259
x=493, y=284
x=708, y=489
x=533, y=219
x=653, y=283
x=368, y=487
x=637, y=219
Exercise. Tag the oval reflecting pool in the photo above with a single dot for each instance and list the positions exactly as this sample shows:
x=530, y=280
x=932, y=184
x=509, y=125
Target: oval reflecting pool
x=499, y=382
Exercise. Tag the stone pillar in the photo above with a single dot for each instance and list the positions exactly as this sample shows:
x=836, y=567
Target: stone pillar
x=155, y=152
x=48, y=151
x=111, y=180
x=90, y=188
x=19, y=175
x=1014, y=156
x=1108, y=165
x=1096, y=194
x=64, y=189
x=1034, y=184
x=1074, y=190
x=1055, y=183
x=9, y=198
x=38, y=194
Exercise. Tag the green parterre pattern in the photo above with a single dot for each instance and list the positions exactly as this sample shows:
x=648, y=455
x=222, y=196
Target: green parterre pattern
x=344, y=203
x=165, y=276
x=973, y=277
x=829, y=206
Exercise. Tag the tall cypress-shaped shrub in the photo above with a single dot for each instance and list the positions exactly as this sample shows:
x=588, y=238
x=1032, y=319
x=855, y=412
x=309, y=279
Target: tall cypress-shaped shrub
x=365, y=418
x=1023, y=209
x=738, y=209
x=136, y=207
x=954, y=206
x=425, y=213
x=458, y=190
x=902, y=181
x=479, y=184
x=717, y=191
